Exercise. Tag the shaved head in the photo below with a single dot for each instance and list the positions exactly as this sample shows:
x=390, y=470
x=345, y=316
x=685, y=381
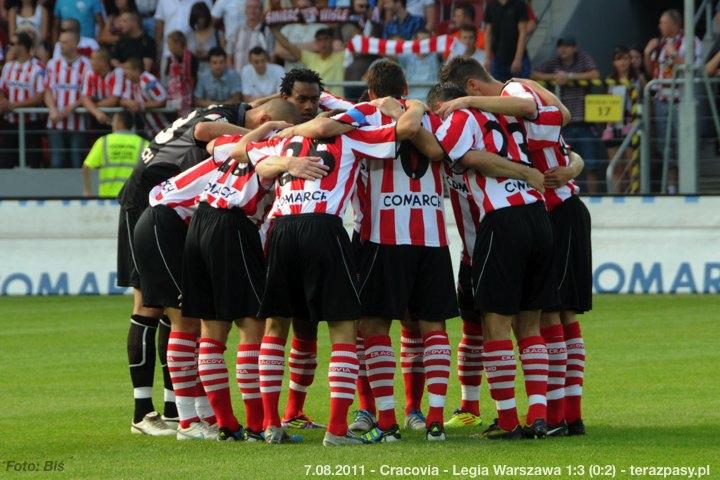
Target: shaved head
x=276, y=109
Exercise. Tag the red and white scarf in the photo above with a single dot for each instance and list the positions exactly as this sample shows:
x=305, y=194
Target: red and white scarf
x=381, y=46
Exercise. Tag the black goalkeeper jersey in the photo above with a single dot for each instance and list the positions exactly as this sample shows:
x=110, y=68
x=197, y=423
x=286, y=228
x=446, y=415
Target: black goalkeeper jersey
x=174, y=150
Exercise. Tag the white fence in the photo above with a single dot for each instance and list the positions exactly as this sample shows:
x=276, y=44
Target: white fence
x=640, y=245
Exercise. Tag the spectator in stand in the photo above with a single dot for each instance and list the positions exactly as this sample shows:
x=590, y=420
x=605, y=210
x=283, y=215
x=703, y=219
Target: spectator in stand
x=638, y=63
x=29, y=14
x=626, y=78
x=420, y=68
x=89, y=14
x=146, y=92
x=568, y=65
x=232, y=14
x=532, y=19
x=506, y=39
x=63, y=86
x=467, y=38
x=21, y=85
x=328, y=63
x=220, y=84
x=180, y=74
x=662, y=54
x=302, y=35
x=114, y=155
x=103, y=86
x=712, y=67
x=146, y=9
x=399, y=21
x=134, y=42
x=249, y=35
x=361, y=16
x=204, y=36
x=110, y=33
x=425, y=9
x=86, y=46
x=463, y=16
x=260, y=78
x=172, y=16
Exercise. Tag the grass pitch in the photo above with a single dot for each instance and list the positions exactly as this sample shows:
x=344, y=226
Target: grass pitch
x=652, y=399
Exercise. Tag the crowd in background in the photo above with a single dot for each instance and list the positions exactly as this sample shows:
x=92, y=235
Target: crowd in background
x=180, y=54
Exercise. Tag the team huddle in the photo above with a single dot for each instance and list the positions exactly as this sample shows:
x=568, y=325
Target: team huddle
x=235, y=215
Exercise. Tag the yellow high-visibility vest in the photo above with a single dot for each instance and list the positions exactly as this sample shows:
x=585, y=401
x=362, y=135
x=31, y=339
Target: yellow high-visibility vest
x=115, y=155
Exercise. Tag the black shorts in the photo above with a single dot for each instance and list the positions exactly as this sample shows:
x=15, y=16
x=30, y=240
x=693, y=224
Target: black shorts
x=466, y=301
x=310, y=270
x=158, y=243
x=127, y=274
x=512, y=261
x=572, y=255
x=223, y=265
x=395, y=279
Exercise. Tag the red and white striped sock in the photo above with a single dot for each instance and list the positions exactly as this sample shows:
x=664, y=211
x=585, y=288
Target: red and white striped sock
x=303, y=361
x=470, y=367
x=534, y=359
x=248, y=380
x=436, y=362
x=214, y=377
x=202, y=404
x=499, y=363
x=411, y=363
x=182, y=365
x=271, y=365
x=380, y=361
x=342, y=375
x=557, y=355
x=575, y=372
x=365, y=395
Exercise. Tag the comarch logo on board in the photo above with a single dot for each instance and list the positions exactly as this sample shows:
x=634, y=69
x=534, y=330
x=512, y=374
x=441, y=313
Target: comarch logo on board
x=608, y=277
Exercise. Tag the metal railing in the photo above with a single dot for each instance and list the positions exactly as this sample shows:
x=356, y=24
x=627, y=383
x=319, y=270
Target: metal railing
x=646, y=148
x=21, y=112
x=619, y=154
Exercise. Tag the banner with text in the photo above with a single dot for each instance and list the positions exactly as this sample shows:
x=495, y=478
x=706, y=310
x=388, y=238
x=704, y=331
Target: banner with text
x=640, y=245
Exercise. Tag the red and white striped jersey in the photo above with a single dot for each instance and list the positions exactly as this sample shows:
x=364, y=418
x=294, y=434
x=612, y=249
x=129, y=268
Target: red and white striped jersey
x=148, y=89
x=99, y=87
x=547, y=148
x=328, y=102
x=21, y=81
x=472, y=129
x=405, y=195
x=342, y=154
x=236, y=185
x=65, y=80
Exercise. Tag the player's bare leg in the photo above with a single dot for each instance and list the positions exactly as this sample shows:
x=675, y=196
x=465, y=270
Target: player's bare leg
x=141, y=359
x=302, y=363
x=342, y=376
x=534, y=360
x=551, y=330
x=575, y=372
x=380, y=363
x=411, y=364
x=436, y=363
x=500, y=365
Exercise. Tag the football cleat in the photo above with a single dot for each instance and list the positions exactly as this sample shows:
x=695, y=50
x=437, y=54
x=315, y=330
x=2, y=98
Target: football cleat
x=559, y=430
x=302, y=422
x=279, y=435
x=227, y=435
x=461, y=418
x=537, y=429
x=196, y=431
x=494, y=432
x=415, y=420
x=576, y=428
x=152, y=425
x=364, y=422
x=349, y=439
x=436, y=433
x=253, y=436
x=376, y=435
x=172, y=422
x=211, y=430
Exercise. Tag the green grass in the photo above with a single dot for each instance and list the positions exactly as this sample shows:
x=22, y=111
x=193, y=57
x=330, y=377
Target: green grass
x=652, y=398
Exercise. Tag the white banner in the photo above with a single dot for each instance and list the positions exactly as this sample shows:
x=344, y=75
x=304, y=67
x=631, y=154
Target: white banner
x=640, y=245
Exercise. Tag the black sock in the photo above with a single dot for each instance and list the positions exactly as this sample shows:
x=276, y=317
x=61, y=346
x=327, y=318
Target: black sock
x=141, y=358
x=170, y=409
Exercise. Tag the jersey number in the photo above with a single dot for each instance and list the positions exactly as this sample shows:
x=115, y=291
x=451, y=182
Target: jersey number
x=169, y=133
x=296, y=147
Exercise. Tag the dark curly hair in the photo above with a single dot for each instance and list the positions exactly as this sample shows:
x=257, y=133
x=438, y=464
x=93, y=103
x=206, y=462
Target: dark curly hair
x=303, y=75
